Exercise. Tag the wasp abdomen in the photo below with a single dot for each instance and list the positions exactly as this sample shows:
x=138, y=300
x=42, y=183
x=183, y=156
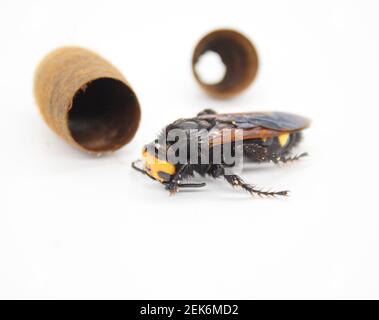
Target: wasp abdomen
x=267, y=149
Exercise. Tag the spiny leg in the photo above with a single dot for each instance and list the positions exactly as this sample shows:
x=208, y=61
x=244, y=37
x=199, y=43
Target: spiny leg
x=236, y=181
x=258, y=153
x=288, y=159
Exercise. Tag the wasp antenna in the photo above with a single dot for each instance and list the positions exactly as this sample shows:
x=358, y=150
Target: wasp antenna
x=136, y=168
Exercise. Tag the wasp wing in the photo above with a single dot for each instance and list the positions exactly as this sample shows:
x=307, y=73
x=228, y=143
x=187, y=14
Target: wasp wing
x=254, y=125
x=280, y=121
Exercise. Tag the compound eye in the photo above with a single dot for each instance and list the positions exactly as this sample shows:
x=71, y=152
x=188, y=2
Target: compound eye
x=164, y=176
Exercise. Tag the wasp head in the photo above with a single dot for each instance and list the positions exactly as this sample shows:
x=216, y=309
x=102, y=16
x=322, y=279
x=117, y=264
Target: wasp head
x=155, y=165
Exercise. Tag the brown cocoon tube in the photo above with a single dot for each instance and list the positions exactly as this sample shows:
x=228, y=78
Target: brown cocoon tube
x=86, y=100
x=239, y=57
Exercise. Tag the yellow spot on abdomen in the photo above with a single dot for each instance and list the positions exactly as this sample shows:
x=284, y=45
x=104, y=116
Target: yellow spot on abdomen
x=283, y=139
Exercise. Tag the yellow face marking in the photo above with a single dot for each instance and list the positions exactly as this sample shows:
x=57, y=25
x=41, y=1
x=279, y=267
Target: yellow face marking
x=283, y=139
x=153, y=165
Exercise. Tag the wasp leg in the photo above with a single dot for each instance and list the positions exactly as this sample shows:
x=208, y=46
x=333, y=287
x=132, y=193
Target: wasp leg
x=287, y=159
x=236, y=181
x=174, y=185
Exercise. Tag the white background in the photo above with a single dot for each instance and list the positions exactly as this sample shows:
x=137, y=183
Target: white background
x=76, y=226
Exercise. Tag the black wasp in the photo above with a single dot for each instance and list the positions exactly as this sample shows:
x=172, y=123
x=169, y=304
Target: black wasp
x=263, y=137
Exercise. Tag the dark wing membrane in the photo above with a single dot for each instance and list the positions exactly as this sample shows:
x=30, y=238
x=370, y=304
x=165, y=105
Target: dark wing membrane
x=280, y=121
x=253, y=125
x=227, y=134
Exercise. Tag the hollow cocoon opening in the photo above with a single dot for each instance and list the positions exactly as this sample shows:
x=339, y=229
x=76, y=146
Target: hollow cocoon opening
x=86, y=100
x=237, y=54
